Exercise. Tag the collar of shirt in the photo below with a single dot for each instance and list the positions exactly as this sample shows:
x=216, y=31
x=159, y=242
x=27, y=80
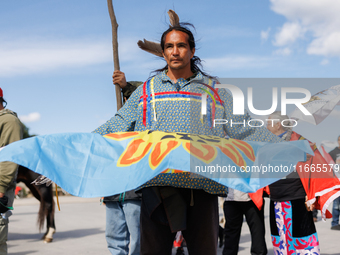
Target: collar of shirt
x=181, y=82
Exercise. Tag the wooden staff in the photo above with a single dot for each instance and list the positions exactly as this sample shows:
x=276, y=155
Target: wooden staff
x=115, y=50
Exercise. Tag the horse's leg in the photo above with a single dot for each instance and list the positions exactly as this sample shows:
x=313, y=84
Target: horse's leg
x=47, y=197
x=27, y=176
x=36, y=191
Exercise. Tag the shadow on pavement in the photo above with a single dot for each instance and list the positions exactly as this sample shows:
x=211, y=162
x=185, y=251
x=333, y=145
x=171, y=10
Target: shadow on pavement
x=77, y=233
x=23, y=253
x=23, y=236
x=24, y=213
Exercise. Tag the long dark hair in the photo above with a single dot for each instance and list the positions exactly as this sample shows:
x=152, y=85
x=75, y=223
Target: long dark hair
x=195, y=62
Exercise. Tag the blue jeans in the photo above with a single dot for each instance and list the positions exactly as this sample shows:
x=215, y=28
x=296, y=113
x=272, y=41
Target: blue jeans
x=336, y=211
x=122, y=227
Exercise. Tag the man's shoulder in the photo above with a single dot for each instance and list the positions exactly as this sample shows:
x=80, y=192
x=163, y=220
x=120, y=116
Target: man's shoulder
x=222, y=92
x=211, y=81
x=200, y=78
x=8, y=115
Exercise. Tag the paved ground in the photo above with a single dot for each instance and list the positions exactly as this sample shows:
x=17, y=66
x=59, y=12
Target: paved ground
x=81, y=226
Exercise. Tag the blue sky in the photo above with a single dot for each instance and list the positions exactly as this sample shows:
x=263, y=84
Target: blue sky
x=56, y=56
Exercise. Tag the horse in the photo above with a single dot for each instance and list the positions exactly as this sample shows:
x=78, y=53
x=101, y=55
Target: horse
x=45, y=195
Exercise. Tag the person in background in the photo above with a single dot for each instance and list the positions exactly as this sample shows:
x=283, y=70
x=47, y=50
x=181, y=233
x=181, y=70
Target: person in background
x=335, y=154
x=122, y=230
x=293, y=198
x=236, y=205
x=11, y=130
x=315, y=215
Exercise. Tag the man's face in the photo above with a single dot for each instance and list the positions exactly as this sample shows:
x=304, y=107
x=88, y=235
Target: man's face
x=177, y=51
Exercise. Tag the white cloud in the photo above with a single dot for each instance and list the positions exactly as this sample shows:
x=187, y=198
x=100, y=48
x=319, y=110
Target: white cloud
x=328, y=45
x=27, y=55
x=22, y=56
x=324, y=62
x=265, y=34
x=289, y=33
x=316, y=21
x=283, y=51
x=32, y=117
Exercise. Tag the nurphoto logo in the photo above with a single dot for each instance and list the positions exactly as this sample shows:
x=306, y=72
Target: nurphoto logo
x=238, y=104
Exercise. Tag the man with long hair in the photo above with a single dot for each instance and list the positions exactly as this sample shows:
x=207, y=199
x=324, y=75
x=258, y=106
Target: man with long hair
x=171, y=101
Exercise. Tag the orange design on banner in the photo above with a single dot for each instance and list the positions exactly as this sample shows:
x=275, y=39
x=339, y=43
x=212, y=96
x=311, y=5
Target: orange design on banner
x=245, y=148
x=121, y=135
x=136, y=150
x=162, y=143
x=204, y=148
x=204, y=152
x=159, y=152
x=233, y=154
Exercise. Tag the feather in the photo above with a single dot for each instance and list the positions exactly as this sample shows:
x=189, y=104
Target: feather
x=173, y=17
x=151, y=47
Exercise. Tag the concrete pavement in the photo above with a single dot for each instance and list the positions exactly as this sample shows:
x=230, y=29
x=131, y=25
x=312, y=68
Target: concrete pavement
x=81, y=230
